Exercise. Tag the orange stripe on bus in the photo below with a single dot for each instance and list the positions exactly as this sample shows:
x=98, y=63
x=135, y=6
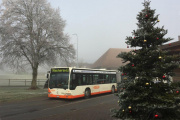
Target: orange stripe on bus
x=101, y=92
x=74, y=96
x=65, y=96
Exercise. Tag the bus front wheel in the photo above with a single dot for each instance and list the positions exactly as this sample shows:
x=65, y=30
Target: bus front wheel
x=112, y=89
x=87, y=93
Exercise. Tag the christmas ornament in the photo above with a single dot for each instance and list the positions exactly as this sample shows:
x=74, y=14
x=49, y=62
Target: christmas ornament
x=134, y=37
x=177, y=91
x=160, y=57
x=130, y=111
x=157, y=38
x=145, y=40
x=129, y=107
x=158, y=20
x=127, y=46
x=147, y=83
x=122, y=74
x=169, y=44
x=132, y=65
x=164, y=76
x=156, y=115
x=146, y=15
x=123, y=110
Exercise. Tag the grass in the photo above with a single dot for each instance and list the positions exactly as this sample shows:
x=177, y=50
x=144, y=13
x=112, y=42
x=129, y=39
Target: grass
x=11, y=94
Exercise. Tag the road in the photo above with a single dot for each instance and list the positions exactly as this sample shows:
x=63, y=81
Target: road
x=43, y=108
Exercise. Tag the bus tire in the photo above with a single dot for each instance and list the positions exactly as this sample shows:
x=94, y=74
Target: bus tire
x=87, y=93
x=113, y=89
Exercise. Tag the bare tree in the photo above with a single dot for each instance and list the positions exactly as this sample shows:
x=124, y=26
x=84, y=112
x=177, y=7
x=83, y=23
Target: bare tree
x=31, y=34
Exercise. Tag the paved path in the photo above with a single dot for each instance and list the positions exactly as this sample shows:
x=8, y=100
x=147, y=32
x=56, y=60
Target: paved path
x=43, y=108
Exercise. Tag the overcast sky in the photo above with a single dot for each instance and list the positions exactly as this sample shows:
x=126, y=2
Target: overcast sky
x=104, y=24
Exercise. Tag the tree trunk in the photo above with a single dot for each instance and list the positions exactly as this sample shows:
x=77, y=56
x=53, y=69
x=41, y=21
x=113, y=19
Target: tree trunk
x=34, y=78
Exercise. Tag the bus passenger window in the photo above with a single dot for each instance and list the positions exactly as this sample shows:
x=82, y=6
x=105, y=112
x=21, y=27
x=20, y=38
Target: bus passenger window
x=95, y=77
x=89, y=80
x=113, y=79
x=76, y=81
x=84, y=80
x=107, y=79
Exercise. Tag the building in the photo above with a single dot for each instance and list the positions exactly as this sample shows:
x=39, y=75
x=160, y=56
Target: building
x=174, y=49
x=109, y=59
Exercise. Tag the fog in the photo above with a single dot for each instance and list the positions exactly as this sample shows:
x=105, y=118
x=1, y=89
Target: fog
x=103, y=24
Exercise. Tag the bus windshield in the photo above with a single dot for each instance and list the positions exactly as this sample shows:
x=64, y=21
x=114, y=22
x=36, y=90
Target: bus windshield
x=59, y=80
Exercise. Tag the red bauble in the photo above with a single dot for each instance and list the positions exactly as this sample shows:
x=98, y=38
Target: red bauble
x=127, y=46
x=164, y=76
x=157, y=38
x=177, y=91
x=134, y=37
x=132, y=65
x=156, y=115
x=122, y=74
x=146, y=15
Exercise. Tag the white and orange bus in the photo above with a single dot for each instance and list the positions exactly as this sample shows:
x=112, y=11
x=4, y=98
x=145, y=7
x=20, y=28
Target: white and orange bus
x=70, y=83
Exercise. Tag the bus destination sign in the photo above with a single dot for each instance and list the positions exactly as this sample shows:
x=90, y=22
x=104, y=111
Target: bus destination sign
x=60, y=70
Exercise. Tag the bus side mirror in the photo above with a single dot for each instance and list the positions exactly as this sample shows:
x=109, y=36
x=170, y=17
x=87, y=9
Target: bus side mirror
x=47, y=76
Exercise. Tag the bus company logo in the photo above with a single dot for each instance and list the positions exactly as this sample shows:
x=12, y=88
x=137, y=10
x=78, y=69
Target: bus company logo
x=60, y=70
x=96, y=87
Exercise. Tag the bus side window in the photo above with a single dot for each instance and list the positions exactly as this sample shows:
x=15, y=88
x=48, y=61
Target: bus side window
x=107, y=79
x=84, y=80
x=113, y=79
x=95, y=77
x=89, y=80
x=79, y=79
x=76, y=80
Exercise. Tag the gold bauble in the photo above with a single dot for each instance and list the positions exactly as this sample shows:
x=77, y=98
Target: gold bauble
x=145, y=40
x=147, y=83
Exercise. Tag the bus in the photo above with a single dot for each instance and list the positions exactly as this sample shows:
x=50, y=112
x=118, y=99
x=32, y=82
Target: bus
x=70, y=83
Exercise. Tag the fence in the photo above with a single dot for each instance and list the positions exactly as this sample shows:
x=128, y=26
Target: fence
x=20, y=82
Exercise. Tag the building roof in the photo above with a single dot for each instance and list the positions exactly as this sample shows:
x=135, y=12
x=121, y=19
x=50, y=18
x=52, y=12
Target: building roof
x=109, y=59
x=173, y=47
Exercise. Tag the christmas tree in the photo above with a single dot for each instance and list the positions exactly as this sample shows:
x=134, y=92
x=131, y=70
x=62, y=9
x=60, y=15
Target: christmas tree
x=148, y=93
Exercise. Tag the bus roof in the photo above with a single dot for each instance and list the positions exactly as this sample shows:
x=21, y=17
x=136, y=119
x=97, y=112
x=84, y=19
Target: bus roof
x=89, y=69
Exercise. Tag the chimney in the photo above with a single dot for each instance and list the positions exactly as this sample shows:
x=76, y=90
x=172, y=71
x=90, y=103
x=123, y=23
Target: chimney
x=179, y=38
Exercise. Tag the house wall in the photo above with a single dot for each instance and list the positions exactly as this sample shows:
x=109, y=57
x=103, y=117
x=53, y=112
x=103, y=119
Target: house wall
x=176, y=78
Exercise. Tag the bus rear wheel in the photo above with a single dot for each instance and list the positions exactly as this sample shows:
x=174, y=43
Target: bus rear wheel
x=113, y=89
x=87, y=93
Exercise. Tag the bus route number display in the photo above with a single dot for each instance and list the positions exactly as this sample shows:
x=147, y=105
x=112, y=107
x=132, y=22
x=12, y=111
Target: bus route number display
x=59, y=70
